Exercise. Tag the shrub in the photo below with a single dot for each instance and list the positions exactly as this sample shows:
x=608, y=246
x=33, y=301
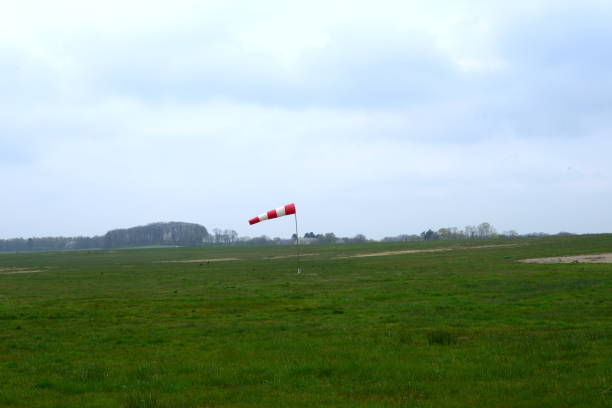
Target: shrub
x=442, y=337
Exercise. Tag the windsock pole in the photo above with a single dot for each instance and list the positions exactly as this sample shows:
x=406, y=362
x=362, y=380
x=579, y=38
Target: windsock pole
x=281, y=212
x=297, y=244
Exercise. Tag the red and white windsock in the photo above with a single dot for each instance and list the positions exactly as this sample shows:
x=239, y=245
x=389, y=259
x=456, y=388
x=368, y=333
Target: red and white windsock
x=279, y=212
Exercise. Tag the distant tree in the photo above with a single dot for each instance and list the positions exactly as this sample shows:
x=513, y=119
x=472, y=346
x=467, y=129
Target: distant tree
x=429, y=235
x=359, y=238
x=536, y=234
x=444, y=233
x=470, y=232
x=262, y=240
x=327, y=238
x=485, y=230
x=218, y=234
x=228, y=237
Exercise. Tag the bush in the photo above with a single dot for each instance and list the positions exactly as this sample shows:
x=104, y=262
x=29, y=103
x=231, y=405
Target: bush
x=442, y=337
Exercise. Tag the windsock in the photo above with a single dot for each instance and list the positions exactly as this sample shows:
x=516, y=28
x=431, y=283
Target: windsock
x=279, y=212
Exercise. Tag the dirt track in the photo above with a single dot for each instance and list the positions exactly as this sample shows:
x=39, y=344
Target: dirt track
x=597, y=258
x=417, y=251
x=388, y=253
x=202, y=260
x=289, y=256
x=15, y=271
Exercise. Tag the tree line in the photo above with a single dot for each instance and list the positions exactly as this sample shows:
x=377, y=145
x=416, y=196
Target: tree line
x=189, y=234
x=155, y=234
x=483, y=230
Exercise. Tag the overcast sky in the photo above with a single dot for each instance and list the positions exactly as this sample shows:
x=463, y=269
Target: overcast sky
x=381, y=118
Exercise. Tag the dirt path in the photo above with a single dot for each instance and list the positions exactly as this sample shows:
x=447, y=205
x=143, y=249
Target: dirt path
x=15, y=271
x=229, y=259
x=201, y=260
x=289, y=256
x=388, y=253
x=417, y=251
x=490, y=246
x=598, y=258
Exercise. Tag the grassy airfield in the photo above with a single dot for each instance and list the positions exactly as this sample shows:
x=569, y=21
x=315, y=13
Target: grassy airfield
x=462, y=326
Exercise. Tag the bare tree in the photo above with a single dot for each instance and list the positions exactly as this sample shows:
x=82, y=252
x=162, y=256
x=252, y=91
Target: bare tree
x=470, y=232
x=218, y=233
x=485, y=230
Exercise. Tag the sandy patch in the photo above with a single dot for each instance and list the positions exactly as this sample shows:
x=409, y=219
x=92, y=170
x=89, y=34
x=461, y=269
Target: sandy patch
x=489, y=246
x=417, y=251
x=201, y=260
x=598, y=258
x=289, y=256
x=15, y=271
x=388, y=253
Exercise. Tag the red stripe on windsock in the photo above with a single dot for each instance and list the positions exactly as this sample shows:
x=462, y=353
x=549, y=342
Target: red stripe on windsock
x=272, y=214
x=254, y=220
x=290, y=209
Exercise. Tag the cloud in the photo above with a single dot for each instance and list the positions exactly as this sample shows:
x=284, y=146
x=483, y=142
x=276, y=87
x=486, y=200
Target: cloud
x=376, y=120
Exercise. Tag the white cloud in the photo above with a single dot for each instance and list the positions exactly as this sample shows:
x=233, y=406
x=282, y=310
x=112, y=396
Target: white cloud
x=381, y=120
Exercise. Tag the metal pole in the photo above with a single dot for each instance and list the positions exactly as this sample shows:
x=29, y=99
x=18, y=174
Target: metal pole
x=297, y=244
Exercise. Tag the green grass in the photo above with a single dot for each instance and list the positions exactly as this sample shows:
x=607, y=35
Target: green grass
x=459, y=328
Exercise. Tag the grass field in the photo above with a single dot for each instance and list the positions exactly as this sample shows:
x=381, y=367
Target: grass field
x=459, y=327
